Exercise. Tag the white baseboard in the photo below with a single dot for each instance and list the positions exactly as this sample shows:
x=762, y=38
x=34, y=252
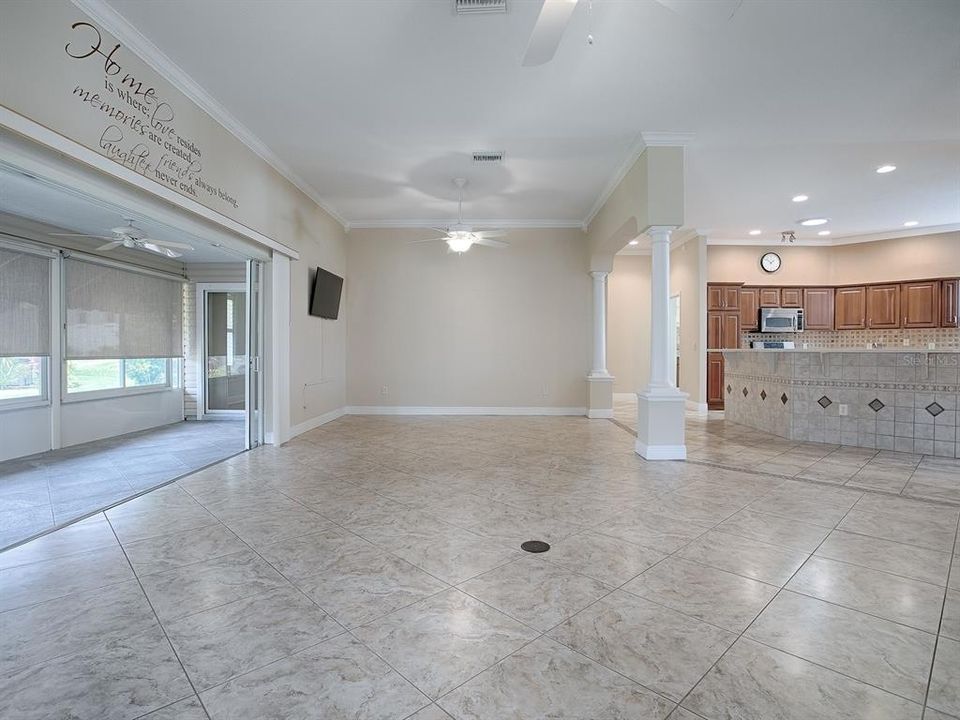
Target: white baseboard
x=696, y=407
x=600, y=414
x=661, y=452
x=412, y=410
x=316, y=422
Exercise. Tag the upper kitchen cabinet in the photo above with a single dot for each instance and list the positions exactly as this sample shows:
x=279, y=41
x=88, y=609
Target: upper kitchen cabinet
x=920, y=304
x=949, y=302
x=851, y=308
x=769, y=297
x=792, y=298
x=818, y=308
x=883, y=307
x=723, y=297
x=749, y=309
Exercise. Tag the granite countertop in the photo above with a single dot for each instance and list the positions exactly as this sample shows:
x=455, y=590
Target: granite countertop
x=901, y=349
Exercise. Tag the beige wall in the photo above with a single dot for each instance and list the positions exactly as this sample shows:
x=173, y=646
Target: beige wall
x=911, y=258
x=688, y=279
x=489, y=328
x=628, y=322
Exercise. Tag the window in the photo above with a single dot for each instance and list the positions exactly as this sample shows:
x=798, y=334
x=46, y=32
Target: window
x=22, y=378
x=24, y=327
x=86, y=376
x=122, y=330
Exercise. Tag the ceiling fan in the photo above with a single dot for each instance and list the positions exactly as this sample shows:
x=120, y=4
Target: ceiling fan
x=130, y=236
x=460, y=237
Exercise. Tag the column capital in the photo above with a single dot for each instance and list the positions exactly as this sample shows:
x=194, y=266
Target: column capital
x=660, y=233
x=599, y=273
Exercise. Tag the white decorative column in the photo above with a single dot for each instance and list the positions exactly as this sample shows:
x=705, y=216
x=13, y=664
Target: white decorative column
x=660, y=406
x=599, y=381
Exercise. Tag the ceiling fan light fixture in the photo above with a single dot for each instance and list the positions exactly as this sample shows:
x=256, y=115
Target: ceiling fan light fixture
x=460, y=242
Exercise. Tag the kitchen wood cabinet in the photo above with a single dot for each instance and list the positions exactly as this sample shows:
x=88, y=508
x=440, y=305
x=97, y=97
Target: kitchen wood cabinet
x=723, y=329
x=949, y=301
x=723, y=297
x=770, y=297
x=818, y=310
x=851, y=308
x=715, y=388
x=749, y=309
x=883, y=307
x=791, y=297
x=920, y=304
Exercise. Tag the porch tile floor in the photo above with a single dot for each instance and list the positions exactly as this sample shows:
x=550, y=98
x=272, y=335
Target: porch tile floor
x=371, y=569
x=52, y=489
x=711, y=440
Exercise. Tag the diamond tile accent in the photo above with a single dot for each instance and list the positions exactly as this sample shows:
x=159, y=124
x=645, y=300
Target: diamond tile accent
x=783, y=398
x=876, y=405
x=763, y=394
x=934, y=408
x=744, y=392
x=825, y=402
x=729, y=389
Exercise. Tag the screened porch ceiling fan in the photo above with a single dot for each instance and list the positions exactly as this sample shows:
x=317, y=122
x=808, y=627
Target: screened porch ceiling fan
x=460, y=237
x=132, y=237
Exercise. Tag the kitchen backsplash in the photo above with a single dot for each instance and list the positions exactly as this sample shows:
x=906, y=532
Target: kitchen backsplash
x=943, y=338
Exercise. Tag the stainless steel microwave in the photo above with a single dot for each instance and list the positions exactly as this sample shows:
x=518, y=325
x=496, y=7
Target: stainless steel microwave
x=781, y=320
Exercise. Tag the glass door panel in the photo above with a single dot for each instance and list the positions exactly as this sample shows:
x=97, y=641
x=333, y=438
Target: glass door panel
x=226, y=351
x=254, y=352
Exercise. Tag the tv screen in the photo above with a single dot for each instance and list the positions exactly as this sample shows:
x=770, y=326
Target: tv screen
x=325, y=301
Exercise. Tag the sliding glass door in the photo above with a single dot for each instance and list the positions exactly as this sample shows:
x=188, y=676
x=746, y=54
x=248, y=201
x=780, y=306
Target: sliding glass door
x=254, y=353
x=225, y=340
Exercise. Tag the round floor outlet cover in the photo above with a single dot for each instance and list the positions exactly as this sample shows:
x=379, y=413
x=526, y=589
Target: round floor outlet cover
x=535, y=546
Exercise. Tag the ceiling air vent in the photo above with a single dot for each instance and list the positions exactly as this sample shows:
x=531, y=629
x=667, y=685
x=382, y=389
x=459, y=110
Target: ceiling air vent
x=480, y=6
x=488, y=157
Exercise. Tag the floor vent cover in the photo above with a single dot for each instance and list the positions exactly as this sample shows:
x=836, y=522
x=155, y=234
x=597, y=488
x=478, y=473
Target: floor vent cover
x=480, y=6
x=535, y=546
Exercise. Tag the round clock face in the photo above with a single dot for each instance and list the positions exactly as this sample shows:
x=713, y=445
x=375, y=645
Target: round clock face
x=770, y=262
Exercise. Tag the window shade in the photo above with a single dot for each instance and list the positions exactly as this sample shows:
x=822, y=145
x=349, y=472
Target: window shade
x=115, y=313
x=24, y=304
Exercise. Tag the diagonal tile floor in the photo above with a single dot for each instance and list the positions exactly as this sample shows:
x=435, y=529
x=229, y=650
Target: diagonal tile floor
x=41, y=492
x=371, y=569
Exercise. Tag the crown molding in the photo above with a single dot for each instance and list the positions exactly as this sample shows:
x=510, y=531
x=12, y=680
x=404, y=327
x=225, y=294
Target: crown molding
x=135, y=41
x=474, y=223
x=679, y=238
x=666, y=139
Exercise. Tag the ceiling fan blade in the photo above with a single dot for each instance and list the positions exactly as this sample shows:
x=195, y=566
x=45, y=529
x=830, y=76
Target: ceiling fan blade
x=490, y=233
x=97, y=237
x=489, y=242
x=166, y=252
x=111, y=245
x=414, y=242
x=545, y=39
x=168, y=243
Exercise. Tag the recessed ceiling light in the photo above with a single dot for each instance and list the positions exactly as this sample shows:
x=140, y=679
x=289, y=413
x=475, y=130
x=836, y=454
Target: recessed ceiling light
x=813, y=222
x=634, y=242
x=883, y=169
x=756, y=232
x=911, y=223
x=800, y=198
x=823, y=232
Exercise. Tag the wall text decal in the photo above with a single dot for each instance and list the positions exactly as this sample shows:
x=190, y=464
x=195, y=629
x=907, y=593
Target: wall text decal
x=140, y=131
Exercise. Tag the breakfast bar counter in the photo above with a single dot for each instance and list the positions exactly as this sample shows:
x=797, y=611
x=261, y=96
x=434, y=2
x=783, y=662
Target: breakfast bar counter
x=886, y=399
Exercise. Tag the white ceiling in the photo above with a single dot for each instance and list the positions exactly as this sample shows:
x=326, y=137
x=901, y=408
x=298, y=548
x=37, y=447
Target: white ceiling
x=377, y=104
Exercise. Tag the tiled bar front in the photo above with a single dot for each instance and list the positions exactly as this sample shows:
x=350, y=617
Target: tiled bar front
x=903, y=401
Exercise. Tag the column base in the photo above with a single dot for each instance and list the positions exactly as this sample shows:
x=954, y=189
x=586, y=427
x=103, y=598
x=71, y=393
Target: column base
x=600, y=401
x=661, y=434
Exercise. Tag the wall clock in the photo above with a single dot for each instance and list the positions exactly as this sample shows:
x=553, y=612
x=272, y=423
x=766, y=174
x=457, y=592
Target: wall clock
x=770, y=262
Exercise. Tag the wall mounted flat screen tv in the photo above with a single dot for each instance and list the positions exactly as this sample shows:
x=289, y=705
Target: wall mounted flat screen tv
x=325, y=298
